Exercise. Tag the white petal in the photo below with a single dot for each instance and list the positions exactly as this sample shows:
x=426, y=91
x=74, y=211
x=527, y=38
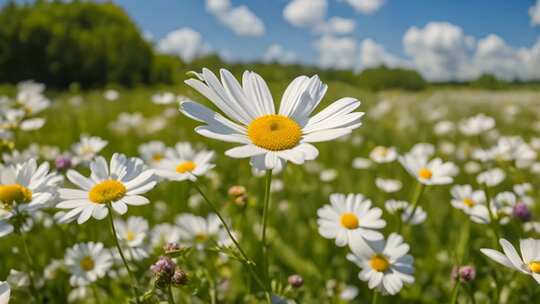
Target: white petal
x=244, y=151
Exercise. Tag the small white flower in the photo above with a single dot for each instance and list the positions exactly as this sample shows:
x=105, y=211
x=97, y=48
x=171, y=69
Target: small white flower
x=163, y=98
x=464, y=198
x=491, y=177
x=328, y=175
x=87, y=148
x=350, y=218
x=87, y=262
x=5, y=292
x=476, y=125
x=184, y=163
x=388, y=185
x=404, y=210
x=434, y=172
x=382, y=154
x=501, y=209
x=119, y=184
x=385, y=265
x=472, y=167
x=425, y=150
x=197, y=230
x=164, y=233
x=361, y=163
x=111, y=95
x=528, y=263
x=153, y=152
x=444, y=127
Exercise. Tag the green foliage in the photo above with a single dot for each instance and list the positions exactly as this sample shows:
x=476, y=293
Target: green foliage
x=60, y=43
x=165, y=69
x=490, y=82
x=382, y=78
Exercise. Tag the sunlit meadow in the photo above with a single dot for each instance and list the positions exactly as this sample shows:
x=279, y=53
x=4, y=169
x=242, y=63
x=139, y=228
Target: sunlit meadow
x=178, y=250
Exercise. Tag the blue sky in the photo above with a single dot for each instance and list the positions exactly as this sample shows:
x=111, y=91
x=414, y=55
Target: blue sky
x=442, y=39
x=478, y=18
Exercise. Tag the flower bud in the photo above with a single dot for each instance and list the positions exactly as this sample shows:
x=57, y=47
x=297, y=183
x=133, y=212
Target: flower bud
x=238, y=194
x=179, y=277
x=465, y=273
x=171, y=247
x=164, y=267
x=522, y=212
x=62, y=163
x=296, y=281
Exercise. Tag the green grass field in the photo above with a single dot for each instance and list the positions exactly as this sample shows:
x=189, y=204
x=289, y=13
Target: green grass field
x=295, y=246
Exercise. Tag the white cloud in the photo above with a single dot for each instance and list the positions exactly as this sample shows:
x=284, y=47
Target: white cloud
x=337, y=52
x=494, y=56
x=241, y=20
x=276, y=53
x=440, y=51
x=185, y=43
x=534, y=12
x=305, y=13
x=366, y=6
x=373, y=54
x=337, y=26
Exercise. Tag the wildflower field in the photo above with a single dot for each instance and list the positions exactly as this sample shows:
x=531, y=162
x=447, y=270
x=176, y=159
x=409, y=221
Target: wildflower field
x=404, y=204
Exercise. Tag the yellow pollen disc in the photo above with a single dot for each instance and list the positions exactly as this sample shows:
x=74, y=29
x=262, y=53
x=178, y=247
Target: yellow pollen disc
x=534, y=267
x=201, y=237
x=107, y=191
x=187, y=166
x=379, y=263
x=349, y=220
x=15, y=193
x=425, y=173
x=87, y=263
x=157, y=157
x=382, y=151
x=274, y=132
x=468, y=202
x=130, y=236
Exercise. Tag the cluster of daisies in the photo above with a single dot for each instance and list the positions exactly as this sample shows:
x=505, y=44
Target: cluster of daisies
x=84, y=185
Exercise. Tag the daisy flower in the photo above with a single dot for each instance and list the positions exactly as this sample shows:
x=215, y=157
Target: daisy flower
x=87, y=262
x=87, y=148
x=501, y=209
x=24, y=189
x=119, y=184
x=163, y=98
x=268, y=137
x=184, y=163
x=465, y=198
x=476, y=125
x=111, y=95
x=197, y=230
x=350, y=218
x=491, y=178
x=425, y=150
x=162, y=234
x=385, y=265
x=528, y=263
x=404, y=210
x=152, y=152
x=5, y=292
x=429, y=172
x=382, y=154
x=132, y=234
x=388, y=185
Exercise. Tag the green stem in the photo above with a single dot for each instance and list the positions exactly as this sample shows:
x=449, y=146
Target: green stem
x=96, y=294
x=494, y=223
x=265, y=223
x=115, y=237
x=375, y=298
x=18, y=230
x=416, y=199
x=170, y=297
x=247, y=260
x=455, y=292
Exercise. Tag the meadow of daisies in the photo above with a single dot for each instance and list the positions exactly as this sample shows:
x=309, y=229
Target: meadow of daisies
x=228, y=189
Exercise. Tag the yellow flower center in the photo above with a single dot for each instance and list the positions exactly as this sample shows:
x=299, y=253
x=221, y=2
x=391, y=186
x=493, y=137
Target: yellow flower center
x=157, y=157
x=379, y=263
x=534, y=267
x=130, y=236
x=107, y=191
x=14, y=193
x=468, y=202
x=186, y=166
x=425, y=173
x=381, y=151
x=87, y=263
x=201, y=237
x=274, y=132
x=349, y=220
